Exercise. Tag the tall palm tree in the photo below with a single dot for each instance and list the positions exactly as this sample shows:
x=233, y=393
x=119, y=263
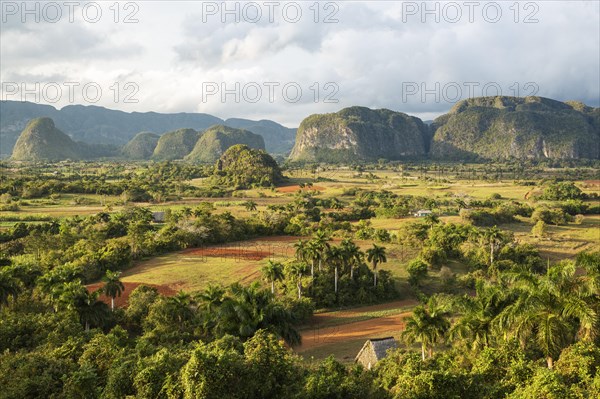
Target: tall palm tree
x=427, y=325
x=91, y=310
x=551, y=310
x=376, y=255
x=493, y=237
x=298, y=269
x=273, y=271
x=113, y=287
x=314, y=253
x=353, y=256
x=320, y=240
x=302, y=252
x=335, y=258
x=9, y=287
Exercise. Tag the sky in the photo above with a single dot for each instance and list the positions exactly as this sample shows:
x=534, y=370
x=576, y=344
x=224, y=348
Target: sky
x=286, y=60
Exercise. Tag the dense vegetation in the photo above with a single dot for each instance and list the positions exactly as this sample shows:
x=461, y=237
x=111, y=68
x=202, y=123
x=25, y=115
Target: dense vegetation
x=242, y=167
x=499, y=319
x=217, y=139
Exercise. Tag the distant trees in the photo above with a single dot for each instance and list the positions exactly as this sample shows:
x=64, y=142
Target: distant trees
x=562, y=191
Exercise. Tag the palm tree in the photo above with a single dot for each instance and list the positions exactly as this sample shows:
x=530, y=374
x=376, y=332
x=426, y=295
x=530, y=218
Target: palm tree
x=249, y=309
x=313, y=251
x=335, y=257
x=320, y=240
x=212, y=297
x=431, y=219
x=181, y=304
x=91, y=310
x=493, y=237
x=9, y=286
x=551, y=310
x=353, y=256
x=74, y=296
x=376, y=255
x=298, y=269
x=427, y=325
x=301, y=250
x=250, y=205
x=113, y=287
x=273, y=271
x=475, y=325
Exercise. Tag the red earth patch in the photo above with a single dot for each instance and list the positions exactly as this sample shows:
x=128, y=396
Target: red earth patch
x=294, y=188
x=234, y=253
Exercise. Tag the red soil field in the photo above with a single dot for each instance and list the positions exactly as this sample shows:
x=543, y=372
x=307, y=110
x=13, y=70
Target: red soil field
x=316, y=337
x=236, y=253
x=294, y=188
x=121, y=301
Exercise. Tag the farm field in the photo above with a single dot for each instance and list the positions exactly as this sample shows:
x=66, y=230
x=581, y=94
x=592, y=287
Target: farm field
x=194, y=269
x=342, y=333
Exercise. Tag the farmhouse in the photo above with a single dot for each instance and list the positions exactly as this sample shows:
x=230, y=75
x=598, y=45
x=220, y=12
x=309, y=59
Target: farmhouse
x=423, y=212
x=374, y=350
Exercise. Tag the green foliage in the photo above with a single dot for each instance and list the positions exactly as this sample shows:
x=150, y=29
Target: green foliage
x=562, y=191
x=242, y=167
x=555, y=216
x=417, y=272
x=216, y=140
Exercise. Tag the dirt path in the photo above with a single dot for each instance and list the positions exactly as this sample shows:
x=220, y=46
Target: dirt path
x=318, y=335
x=363, y=329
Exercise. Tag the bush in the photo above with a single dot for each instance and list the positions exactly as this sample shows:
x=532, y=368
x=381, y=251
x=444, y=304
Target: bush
x=562, y=191
x=539, y=229
x=417, y=272
x=555, y=216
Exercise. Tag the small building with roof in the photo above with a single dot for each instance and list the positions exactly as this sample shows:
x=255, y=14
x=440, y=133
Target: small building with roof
x=423, y=212
x=374, y=350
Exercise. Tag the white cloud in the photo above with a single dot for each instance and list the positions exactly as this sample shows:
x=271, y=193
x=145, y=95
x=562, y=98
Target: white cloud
x=371, y=54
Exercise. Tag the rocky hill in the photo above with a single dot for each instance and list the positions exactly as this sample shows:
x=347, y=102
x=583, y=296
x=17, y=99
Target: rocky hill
x=517, y=127
x=141, y=146
x=242, y=167
x=93, y=124
x=360, y=134
x=41, y=140
x=278, y=139
x=176, y=144
x=217, y=139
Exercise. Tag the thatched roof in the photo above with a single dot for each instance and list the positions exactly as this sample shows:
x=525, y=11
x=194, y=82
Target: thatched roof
x=374, y=350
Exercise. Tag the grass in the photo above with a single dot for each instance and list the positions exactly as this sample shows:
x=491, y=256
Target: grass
x=187, y=271
x=192, y=273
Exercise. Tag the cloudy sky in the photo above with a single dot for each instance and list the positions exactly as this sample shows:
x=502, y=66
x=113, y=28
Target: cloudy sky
x=286, y=60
